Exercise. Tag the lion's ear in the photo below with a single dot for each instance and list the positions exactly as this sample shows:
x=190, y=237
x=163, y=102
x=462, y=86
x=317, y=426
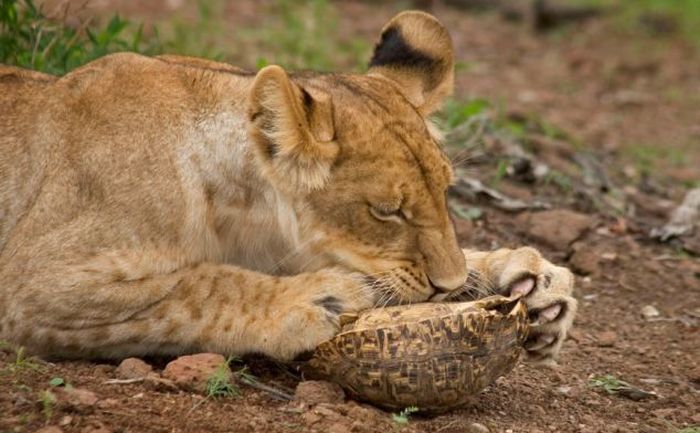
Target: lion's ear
x=292, y=129
x=415, y=51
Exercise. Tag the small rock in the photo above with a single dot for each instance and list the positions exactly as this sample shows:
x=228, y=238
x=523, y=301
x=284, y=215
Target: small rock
x=664, y=412
x=108, y=403
x=363, y=427
x=365, y=414
x=611, y=257
x=606, y=338
x=313, y=392
x=338, y=428
x=192, y=372
x=564, y=390
x=556, y=228
x=95, y=427
x=585, y=261
x=75, y=399
x=327, y=412
x=650, y=312
x=132, y=368
x=476, y=427
x=49, y=429
x=310, y=418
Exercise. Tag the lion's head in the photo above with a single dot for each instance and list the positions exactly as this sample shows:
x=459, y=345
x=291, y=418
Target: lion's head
x=356, y=157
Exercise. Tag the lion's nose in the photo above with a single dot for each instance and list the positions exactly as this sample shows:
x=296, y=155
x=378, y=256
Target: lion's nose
x=445, y=285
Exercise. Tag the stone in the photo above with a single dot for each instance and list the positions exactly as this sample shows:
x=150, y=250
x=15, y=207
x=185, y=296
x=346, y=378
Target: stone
x=476, y=427
x=49, y=429
x=313, y=392
x=75, y=399
x=556, y=228
x=310, y=418
x=338, y=428
x=108, y=403
x=606, y=339
x=365, y=414
x=585, y=261
x=328, y=412
x=132, y=368
x=564, y=390
x=192, y=372
x=650, y=312
x=95, y=427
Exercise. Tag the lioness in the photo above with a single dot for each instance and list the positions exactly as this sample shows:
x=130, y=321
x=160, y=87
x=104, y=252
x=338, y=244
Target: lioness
x=168, y=205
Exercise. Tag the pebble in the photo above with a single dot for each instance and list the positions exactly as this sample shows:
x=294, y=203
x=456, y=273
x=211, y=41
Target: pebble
x=557, y=228
x=328, y=413
x=649, y=312
x=108, y=403
x=132, y=368
x=49, y=429
x=95, y=427
x=338, y=428
x=606, y=339
x=564, y=390
x=75, y=399
x=192, y=372
x=310, y=418
x=476, y=427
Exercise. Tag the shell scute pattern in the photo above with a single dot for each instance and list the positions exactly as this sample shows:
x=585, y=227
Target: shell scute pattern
x=434, y=356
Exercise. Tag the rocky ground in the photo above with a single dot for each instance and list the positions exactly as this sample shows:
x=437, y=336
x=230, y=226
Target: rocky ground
x=594, y=133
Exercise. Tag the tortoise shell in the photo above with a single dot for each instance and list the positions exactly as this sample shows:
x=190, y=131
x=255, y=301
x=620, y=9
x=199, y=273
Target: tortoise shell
x=434, y=356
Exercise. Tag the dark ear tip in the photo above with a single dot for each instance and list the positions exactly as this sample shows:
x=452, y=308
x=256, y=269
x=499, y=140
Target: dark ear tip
x=413, y=39
x=430, y=29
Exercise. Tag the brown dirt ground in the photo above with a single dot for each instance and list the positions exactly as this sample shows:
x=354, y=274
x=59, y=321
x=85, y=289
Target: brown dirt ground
x=579, y=79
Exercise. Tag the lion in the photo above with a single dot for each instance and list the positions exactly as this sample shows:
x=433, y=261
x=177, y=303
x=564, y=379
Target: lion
x=168, y=205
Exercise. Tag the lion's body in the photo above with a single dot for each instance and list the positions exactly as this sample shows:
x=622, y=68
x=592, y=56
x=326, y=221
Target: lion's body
x=167, y=205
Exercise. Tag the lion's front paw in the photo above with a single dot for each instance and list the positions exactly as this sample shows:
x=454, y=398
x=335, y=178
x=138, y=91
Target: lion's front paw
x=312, y=309
x=547, y=291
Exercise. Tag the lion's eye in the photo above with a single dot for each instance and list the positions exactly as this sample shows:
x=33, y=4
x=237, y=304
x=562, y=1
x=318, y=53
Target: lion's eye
x=386, y=213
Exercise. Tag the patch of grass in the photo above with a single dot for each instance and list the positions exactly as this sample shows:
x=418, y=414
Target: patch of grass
x=303, y=35
x=21, y=362
x=456, y=112
x=31, y=39
x=47, y=400
x=691, y=429
x=471, y=213
x=646, y=156
x=559, y=179
x=608, y=383
x=403, y=417
x=501, y=172
x=219, y=384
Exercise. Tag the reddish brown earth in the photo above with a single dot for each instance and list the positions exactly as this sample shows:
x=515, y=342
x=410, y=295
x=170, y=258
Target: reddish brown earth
x=611, y=91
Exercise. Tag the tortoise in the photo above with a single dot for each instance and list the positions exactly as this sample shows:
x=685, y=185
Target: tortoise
x=434, y=356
